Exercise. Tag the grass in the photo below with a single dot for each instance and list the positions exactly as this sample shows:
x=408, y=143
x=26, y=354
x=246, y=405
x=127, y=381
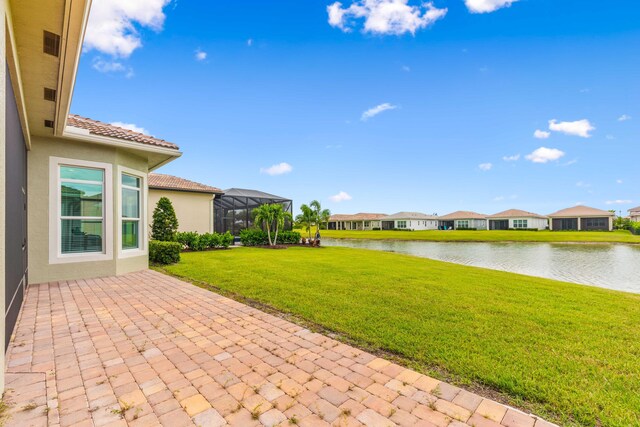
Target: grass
x=566, y=352
x=618, y=236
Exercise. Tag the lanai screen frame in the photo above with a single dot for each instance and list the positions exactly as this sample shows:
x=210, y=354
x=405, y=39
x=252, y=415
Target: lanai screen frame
x=232, y=212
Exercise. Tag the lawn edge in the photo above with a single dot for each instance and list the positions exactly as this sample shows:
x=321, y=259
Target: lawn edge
x=437, y=372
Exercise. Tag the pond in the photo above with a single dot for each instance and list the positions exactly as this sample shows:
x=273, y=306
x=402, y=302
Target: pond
x=612, y=266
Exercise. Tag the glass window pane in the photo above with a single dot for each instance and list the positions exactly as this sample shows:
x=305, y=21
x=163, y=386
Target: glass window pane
x=81, y=236
x=86, y=174
x=81, y=199
x=130, y=234
x=130, y=181
x=130, y=203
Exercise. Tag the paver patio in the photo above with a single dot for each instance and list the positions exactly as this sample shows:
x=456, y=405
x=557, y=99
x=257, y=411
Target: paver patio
x=147, y=349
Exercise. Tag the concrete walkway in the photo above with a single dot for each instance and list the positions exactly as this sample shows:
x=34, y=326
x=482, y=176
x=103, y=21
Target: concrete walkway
x=146, y=349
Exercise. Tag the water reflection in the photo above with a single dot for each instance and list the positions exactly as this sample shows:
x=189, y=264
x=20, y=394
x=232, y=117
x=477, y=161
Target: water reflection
x=613, y=266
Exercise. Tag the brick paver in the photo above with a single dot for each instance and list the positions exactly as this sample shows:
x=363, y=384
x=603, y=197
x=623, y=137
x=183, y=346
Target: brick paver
x=146, y=349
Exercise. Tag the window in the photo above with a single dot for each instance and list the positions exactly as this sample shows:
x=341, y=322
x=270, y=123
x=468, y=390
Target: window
x=79, y=211
x=367, y=224
x=463, y=223
x=520, y=223
x=130, y=211
x=402, y=224
x=596, y=222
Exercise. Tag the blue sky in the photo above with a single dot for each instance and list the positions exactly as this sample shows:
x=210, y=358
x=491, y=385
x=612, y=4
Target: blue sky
x=389, y=105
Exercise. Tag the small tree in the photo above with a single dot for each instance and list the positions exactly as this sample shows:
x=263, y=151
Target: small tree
x=279, y=218
x=321, y=216
x=165, y=223
x=306, y=219
x=263, y=215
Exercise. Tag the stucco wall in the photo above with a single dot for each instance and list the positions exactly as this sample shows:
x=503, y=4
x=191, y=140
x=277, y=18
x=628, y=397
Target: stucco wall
x=193, y=210
x=3, y=67
x=419, y=224
x=40, y=270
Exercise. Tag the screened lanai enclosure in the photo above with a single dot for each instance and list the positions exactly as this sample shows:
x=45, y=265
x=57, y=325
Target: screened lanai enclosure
x=232, y=211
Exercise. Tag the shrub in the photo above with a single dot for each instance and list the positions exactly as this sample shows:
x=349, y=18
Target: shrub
x=226, y=240
x=467, y=228
x=523, y=229
x=635, y=227
x=165, y=223
x=289, y=237
x=188, y=239
x=253, y=237
x=164, y=252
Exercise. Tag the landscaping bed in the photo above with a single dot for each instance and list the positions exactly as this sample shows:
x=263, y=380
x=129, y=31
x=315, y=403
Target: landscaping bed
x=566, y=352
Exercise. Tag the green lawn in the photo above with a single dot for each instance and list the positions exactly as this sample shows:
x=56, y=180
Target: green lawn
x=487, y=236
x=566, y=352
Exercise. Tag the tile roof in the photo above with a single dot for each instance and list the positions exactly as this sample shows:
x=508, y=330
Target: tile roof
x=463, y=215
x=516, y=213
x=170, y=182
x=635, y=210
x=410, y=215
x=96, y=127
x=580, y=211
x=357, y=217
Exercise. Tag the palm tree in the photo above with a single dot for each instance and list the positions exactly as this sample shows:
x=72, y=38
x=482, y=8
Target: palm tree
x=321, y=215
x=263, y=215
x=306, y=219
x=279, y=218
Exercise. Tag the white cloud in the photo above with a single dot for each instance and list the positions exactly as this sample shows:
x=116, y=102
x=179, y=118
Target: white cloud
x=582, y=184
x=131, y=126
x=113, y=24
x=384, y=16
x=372, y=112
x=578, y=128
x=619, y=181
x=279, y=169
x=544, y=155
x=498, y=198
x=485, y=166
x=485, y=6
x=406, y=68
x=250, y=42
x=541, y=134
x=513, y=158
x=624, y=118
x=200, y=55
x=619, y=202
x=340, y=197
x=105, y=66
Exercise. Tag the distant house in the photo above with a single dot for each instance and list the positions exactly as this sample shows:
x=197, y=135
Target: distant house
x=517, y=219
x=192, y=201
x=581, y=218
x=359, y=221
x=634, y=214
x=463, y=220
x=410, y=221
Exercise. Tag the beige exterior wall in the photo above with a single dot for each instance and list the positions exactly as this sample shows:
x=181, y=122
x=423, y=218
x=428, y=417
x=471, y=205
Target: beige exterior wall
x=193, y=210
x=39, y=198
x=3, y=77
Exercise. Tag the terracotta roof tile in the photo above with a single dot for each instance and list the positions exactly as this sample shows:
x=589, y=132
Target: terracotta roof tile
x=410, y=215
x=357, y=217
x=96, y=127
x=635, y=210
x=463, y=215
x=170, y=182
x=576, y=211
x=516, y=213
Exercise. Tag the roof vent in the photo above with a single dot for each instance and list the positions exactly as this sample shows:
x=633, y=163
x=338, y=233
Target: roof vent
x=51, y=43
x=49, y=94
x=48, y=123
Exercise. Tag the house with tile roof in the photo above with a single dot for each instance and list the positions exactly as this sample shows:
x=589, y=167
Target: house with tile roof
x=516, y=219
x=76, y=209
x=581, y=218
x=463, y=220
x=410, y=221
x=634, y=214
x=361, y=221
x=192, y=201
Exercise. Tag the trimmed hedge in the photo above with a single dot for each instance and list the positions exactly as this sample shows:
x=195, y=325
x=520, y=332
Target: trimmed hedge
x=199, y=242
x=257, y=237
x=164, y=252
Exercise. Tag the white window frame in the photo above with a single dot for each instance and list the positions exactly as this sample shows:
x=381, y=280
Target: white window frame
x=143, y=237
x=55, y=237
